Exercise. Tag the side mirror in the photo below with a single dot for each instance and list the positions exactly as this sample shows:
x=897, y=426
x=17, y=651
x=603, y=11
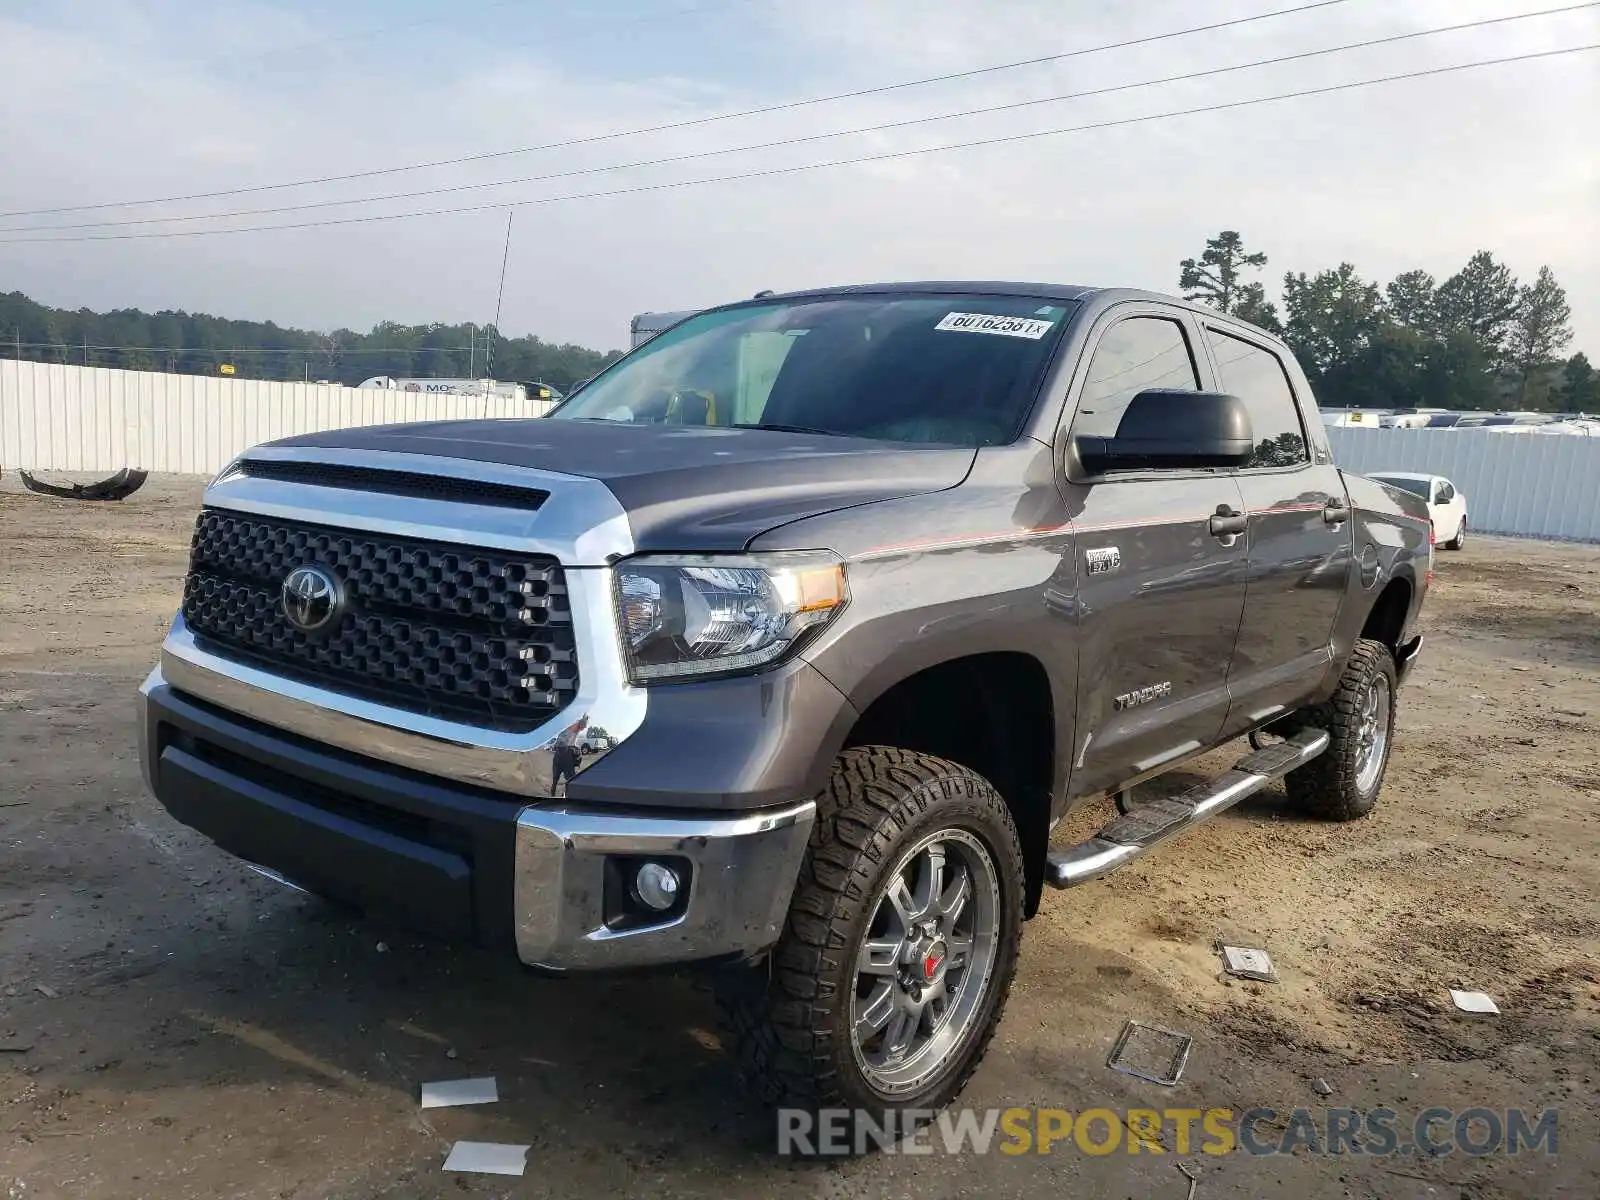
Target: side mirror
x=1168, y=429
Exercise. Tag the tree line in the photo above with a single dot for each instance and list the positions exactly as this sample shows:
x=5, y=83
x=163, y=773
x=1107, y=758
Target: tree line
x=197, y=344
x=1481, y=339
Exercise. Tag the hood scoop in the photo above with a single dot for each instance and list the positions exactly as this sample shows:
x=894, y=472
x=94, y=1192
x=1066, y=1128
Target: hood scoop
x=417, y=485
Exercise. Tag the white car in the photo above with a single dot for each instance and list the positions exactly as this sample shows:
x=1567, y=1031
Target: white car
x=1447, y=505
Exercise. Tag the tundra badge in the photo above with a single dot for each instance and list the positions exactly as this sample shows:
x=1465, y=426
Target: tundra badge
x=1142, y=695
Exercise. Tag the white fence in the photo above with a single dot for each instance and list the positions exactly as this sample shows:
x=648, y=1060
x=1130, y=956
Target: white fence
x=98, y=420
x=1518, y=483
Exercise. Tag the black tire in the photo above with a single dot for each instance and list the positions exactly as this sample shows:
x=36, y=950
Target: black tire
x=792, y=1018
x=1332, y=784
x=1460, y=540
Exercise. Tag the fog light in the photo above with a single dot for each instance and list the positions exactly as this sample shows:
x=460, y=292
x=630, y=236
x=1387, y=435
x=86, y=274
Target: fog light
x=656, y=886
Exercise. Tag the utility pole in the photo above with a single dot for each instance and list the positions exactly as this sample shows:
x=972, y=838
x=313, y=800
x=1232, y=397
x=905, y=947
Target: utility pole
x=488, y=353
x=472, y=351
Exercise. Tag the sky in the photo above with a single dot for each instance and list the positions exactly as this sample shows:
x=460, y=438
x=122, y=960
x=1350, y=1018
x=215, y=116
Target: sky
x=108, y=101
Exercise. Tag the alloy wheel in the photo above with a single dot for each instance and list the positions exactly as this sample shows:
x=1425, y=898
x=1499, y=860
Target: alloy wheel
x=1372, y=733
x=924, y=968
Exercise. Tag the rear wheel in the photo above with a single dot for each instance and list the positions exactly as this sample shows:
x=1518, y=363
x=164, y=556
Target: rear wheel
x=900, y=945
x=1342, y=783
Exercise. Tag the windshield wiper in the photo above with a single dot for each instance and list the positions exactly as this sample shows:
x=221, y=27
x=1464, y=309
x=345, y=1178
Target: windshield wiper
x=776, y=428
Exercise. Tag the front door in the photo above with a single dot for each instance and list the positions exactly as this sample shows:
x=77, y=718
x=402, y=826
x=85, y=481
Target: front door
x=1300, y=557
x=1159, y=592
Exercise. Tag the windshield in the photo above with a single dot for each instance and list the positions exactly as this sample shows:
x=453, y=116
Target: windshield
x=957, y=370
x=1417, y=487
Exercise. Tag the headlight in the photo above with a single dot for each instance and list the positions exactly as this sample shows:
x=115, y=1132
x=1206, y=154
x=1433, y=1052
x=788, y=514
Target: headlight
x=684, y=617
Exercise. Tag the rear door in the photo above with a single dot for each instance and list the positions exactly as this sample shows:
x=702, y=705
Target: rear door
x=1159, y=594
x=1300, y=558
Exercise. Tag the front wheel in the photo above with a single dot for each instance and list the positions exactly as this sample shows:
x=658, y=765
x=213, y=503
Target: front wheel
x=901, y=942
x=1460, y=540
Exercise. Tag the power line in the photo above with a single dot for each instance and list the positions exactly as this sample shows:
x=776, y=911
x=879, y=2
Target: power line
x=489, y=334
x=770, y=172
x=807, y=138
x=687, y=123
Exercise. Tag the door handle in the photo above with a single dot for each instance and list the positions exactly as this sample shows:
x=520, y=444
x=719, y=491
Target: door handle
x=1335, y=512
x=1228, y=522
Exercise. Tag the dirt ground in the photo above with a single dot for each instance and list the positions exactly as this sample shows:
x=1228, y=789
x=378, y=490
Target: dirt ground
x=172, y=1026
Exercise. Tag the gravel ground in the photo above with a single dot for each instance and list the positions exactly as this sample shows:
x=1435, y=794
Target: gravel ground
x=171, y=1026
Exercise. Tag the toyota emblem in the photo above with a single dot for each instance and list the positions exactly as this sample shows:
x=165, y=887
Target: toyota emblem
x=312, y=599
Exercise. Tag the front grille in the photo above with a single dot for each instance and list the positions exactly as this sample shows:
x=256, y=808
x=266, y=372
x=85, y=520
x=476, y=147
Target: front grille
x=452, y=631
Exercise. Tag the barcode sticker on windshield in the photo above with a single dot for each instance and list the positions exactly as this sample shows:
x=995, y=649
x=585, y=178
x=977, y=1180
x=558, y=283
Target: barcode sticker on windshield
x=1022, y=327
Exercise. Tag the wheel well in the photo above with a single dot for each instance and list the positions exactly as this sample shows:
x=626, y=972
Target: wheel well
x=989, y=712
x=1387, y=619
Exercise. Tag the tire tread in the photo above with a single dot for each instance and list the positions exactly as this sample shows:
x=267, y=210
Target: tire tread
x=1326, y=786
x=782, y=1025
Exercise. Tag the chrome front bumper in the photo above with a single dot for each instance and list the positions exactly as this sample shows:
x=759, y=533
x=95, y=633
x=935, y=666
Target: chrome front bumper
x=564, y=902
x=742, y=870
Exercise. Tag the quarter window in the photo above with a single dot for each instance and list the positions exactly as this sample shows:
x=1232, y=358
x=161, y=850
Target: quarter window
x=1257, y=377
x=1134, y=354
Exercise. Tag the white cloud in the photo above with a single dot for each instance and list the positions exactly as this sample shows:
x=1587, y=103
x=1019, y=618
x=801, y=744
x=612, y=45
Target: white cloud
x=135, y=102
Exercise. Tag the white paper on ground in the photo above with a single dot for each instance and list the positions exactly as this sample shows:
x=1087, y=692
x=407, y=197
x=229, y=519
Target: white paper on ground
x=1249, y=963
x=447, y=1093
x=487, y=1158
x=1474, y=1002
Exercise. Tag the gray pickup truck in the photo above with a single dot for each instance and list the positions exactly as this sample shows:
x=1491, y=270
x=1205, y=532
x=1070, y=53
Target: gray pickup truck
x=782, y=645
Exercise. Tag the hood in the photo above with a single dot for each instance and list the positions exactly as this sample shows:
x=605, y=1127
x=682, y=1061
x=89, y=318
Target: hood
x=684, y=488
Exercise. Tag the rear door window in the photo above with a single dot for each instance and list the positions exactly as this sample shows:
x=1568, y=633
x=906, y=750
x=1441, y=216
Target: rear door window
x=1256, y=375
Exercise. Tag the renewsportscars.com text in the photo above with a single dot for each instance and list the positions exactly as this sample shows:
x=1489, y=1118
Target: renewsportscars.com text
x=1379, y=1132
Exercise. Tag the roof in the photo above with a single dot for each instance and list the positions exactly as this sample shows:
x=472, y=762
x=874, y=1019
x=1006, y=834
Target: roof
x=1051, y=291
x=979, y=287
x=1067, y=292
x=1399, y=475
